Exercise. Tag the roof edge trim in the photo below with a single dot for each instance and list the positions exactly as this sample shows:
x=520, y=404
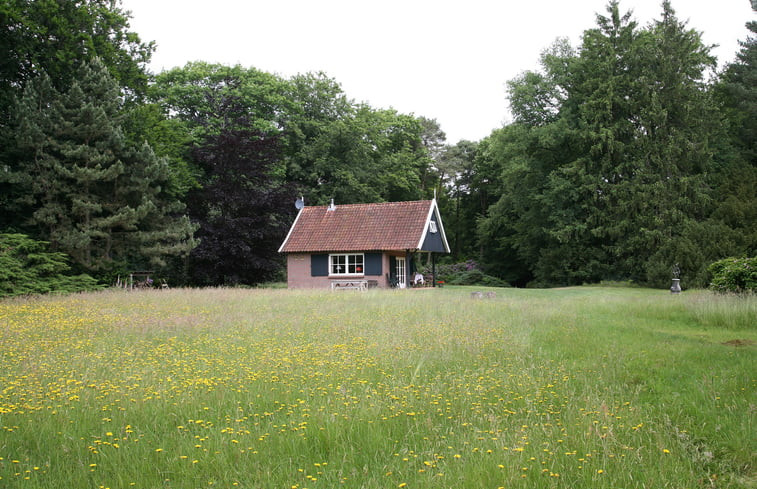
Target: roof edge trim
x=433, y=207
x=294, y=224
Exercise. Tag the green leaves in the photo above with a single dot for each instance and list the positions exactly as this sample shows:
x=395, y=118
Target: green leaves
x=737, y=275
x=55, y=37
x=93, y=194
x=27, y=267
x=609, y=175
x=197, y=92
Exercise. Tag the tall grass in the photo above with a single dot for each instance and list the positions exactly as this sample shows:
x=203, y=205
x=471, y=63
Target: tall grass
x=580, y=387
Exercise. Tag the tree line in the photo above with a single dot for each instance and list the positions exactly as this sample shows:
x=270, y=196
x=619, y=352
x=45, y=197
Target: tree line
x=627, y=154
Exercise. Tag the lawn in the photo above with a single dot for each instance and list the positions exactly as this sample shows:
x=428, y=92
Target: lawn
x=578, y=387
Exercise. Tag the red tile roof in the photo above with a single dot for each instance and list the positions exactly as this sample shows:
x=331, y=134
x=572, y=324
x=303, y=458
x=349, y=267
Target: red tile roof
x=359, y=227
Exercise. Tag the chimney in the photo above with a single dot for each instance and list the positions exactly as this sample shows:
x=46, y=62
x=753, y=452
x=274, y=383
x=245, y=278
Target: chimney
x=331, y=206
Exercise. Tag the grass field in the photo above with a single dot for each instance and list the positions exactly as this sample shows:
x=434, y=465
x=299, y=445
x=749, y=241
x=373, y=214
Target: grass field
x=579, y=387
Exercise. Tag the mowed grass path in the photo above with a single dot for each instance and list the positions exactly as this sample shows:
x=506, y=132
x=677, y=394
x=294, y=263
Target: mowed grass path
x=580, y=387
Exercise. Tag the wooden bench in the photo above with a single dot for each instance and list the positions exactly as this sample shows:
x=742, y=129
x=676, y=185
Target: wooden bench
x=349, y=284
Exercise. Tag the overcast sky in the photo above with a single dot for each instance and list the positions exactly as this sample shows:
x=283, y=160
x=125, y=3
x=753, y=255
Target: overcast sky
x=445, y=60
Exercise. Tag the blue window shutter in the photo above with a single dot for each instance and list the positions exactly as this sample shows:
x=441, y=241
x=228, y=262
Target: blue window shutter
x=319, y=265
x=373, y=264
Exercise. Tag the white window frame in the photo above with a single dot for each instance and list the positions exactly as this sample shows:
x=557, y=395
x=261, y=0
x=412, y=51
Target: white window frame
x=432, y=227
x=354, y=263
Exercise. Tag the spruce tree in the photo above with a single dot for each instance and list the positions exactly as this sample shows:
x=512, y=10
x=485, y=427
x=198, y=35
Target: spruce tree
x=610, y=178
x=631, y=205
x=737, y=175
x=674, y=123
x=581, y=194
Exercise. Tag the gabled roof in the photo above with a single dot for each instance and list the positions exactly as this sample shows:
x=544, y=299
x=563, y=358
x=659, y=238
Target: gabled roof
x=363, y=227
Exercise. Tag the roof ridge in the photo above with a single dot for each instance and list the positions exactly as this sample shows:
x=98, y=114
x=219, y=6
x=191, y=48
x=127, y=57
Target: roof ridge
x=372, y=203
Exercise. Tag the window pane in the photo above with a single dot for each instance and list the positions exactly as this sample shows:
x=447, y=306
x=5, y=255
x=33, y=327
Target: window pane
x=355, y=263
x=338, y=264
x=347, y=264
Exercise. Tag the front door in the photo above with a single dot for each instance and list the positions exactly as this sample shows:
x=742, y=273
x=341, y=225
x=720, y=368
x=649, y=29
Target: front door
x=400, y=272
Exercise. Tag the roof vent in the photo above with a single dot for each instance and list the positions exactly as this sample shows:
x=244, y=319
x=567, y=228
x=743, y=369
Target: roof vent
x=331, y=206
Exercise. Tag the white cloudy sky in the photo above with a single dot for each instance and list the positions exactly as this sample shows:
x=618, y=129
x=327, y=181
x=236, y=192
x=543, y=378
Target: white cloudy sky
x=445, y=60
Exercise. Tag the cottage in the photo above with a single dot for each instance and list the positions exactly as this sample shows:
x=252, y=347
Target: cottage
x=362, y=245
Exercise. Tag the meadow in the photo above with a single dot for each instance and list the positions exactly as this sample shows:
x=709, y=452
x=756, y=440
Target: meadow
x=595, y=387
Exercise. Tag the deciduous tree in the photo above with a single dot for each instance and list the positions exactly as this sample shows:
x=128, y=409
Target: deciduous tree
x=244, y=206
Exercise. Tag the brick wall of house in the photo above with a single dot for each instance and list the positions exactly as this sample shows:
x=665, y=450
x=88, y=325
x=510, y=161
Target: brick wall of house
x=298, y=273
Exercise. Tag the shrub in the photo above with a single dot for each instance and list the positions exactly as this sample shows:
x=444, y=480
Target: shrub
x=465, y=273
x=26, y=267
x=476, y=277
x=737, y=275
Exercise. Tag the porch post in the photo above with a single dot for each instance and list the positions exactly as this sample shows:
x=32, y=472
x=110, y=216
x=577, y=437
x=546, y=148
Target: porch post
x=408, y=279
x=433, y=268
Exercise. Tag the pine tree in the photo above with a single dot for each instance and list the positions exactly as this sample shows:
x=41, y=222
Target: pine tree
x=95, y=198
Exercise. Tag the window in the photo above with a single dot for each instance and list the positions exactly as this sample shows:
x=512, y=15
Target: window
x=432, y=226
x=346, y=264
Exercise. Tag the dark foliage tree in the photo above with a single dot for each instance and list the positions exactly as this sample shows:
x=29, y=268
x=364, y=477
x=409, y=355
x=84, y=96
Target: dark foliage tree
x=244, y=206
